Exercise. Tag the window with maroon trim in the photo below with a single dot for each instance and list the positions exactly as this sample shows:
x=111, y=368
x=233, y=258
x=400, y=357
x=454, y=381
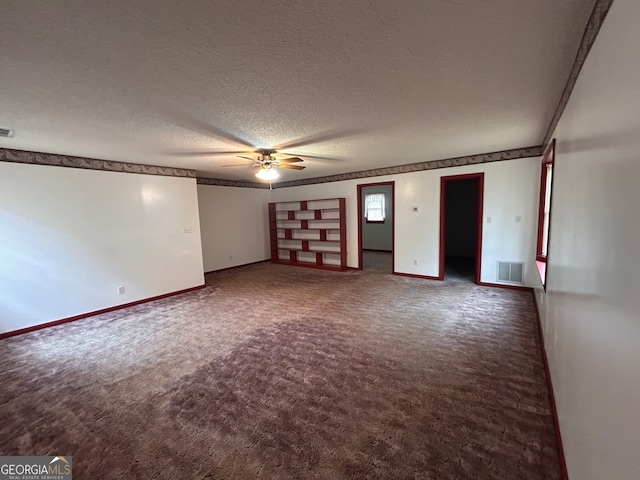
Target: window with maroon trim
x=544, y=213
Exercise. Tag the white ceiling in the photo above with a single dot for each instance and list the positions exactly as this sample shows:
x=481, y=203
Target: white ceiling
x=367, y=84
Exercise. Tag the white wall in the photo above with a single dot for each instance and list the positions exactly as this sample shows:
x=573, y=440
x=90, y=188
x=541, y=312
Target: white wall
x=235, y=225
x=511, y=189
x=70, y=237
x=590, y=313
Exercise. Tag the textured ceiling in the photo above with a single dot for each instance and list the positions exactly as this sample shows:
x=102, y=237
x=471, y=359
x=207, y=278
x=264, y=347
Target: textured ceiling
x=364, y=84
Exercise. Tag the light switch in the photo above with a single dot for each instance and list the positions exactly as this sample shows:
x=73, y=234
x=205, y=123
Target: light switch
x=488, y=219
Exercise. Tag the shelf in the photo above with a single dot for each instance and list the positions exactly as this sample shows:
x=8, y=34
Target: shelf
x=311, y=250
x=308, y=205
x=308, y=211
x=310, y=228
x=308, y=240
x=314, y=210
x=312, y=239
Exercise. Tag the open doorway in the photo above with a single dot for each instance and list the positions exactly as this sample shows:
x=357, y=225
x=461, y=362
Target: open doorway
x=461, y=227
x=376, y=226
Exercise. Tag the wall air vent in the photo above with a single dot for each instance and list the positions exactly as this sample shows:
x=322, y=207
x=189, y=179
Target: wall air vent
x=5, y=132
x=511, y=272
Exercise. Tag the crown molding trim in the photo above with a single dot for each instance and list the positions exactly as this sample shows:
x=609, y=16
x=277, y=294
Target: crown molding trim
x=55, y=160
x=598, y=14
x=68, y=161
x=230, y=183
x=503, y=155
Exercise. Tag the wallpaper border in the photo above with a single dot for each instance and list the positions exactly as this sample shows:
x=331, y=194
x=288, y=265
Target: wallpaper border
x=598, y=14
x=55, y=160
x=231, y=183
x=500, y=156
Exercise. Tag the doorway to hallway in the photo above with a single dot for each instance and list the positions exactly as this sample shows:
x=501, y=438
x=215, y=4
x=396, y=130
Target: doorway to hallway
x=461, y=227
x=376, y=227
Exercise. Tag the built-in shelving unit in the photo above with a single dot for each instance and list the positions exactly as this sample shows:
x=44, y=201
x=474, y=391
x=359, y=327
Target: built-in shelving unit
x=309, y=233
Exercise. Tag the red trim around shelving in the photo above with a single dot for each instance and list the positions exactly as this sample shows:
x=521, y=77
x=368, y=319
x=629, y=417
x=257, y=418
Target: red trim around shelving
x=316, y=226
x=552, y=399
x=479, y=219
x=61, y=321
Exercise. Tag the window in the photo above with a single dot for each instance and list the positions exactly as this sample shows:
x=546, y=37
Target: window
x=544, y=215
x=546, y=209
x=374, y=207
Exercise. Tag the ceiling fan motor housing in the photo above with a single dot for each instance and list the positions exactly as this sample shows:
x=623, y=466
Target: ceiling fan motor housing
x=267, y=158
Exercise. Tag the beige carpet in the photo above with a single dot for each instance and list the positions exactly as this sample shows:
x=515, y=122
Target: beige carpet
x=277, y=372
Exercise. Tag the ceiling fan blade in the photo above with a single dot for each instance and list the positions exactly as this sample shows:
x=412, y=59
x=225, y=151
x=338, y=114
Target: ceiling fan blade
x=291, y=160
x=317, y=157
x=239, y=165
x=247, y=158
x=292, y=167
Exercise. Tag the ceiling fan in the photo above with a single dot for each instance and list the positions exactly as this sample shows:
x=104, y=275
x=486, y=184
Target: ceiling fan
x=268, y=164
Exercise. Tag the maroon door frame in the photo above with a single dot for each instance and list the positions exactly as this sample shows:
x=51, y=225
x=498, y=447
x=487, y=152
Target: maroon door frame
x=393, y=220
x=479, y=218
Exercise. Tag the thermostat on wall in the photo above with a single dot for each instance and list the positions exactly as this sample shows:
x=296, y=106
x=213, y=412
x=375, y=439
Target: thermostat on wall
x=415, y=209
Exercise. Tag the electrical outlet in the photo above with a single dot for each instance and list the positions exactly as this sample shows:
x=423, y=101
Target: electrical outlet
x=518, y=219
x=120, y=290
x=415, y=262
x=187, y=230
x=415, y=209
x=488, y=219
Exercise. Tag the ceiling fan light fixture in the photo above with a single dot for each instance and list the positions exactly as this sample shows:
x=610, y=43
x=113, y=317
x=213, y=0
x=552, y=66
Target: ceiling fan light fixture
x=267, y=174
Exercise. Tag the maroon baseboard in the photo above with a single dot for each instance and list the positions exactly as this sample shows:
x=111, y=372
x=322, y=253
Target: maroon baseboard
x=40, y=326
x=413, y=275
x=552, y=399
x=237, y=266
x=484, y=284
x=508, y=287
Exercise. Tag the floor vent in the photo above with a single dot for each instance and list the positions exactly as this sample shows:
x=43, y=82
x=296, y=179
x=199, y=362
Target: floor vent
x=512, y=272
x=4, y=132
